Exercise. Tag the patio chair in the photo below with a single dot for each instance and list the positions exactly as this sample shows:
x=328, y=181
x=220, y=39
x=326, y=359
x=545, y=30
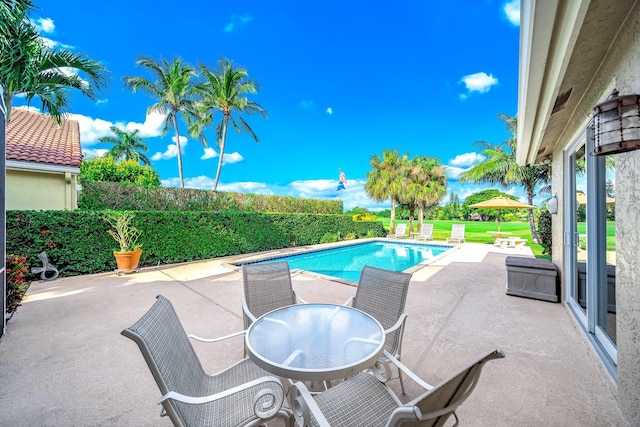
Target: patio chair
x=383, y=294
x=426, y=233
x=457, y=233
x=365, y=400
x=242, y=394
x=400, y=232
x=266, y=287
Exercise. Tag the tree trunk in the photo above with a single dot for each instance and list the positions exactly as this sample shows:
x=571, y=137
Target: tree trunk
x=420, y=217
x=532, y=222
x=392, y=222
x=8, y=99
x=175, y=126
x=412, y=210
x=223, y=139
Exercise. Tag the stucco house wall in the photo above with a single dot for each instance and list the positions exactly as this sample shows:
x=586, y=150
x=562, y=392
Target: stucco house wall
x=571, y=61
x=33, y=190
x=43, y=162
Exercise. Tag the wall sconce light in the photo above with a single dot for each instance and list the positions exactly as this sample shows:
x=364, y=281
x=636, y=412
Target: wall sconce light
x=552, y=205
x=616, y=124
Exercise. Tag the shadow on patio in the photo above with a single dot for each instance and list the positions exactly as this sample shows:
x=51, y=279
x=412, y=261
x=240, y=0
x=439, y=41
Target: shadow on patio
x=64, y=362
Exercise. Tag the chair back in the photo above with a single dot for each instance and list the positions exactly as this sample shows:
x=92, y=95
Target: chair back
x=438, y=404
x=401, y=229
x=170, y=357
x=427, y=231
x=383, y=294
x=457, y=231
x=267, y=287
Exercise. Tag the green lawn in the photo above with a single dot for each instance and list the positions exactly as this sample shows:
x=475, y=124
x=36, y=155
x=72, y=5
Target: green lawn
x=476, y=231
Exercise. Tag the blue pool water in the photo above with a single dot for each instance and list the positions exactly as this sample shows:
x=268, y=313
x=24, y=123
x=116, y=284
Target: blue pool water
x=346, y=262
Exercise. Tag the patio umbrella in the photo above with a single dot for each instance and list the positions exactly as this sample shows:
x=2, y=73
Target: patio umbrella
x=501, y=203
x=582, y=199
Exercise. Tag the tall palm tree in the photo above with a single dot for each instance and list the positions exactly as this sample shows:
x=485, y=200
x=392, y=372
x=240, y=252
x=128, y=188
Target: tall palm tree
x=384, y=181
x=224, y=90
x=126, y=145
x=501, y=168
x=173, y=90
x=28, y=66
x=432, y=184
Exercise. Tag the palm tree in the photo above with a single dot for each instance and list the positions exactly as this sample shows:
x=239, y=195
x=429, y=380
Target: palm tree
x=501, y=168
x=224, y=91
x=29, y=66
x=384, y=181
x=432, y=184
x=126, y=145
x=172, y=89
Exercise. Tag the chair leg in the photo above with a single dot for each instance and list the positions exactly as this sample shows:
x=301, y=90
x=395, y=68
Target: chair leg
x=401, y=381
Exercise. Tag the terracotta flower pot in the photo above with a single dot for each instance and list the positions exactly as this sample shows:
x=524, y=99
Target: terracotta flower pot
x=127, y=261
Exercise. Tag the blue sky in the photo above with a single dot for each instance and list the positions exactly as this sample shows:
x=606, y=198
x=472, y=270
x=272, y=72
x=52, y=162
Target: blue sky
x=341, y=82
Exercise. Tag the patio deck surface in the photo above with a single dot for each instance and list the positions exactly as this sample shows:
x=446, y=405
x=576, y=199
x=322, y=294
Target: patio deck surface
x=64, y=362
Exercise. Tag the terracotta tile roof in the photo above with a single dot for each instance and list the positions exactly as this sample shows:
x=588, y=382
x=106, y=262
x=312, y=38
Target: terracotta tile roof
x=34, y=137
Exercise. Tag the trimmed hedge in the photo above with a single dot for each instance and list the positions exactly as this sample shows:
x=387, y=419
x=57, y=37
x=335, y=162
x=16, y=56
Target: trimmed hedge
x=77, y=242
x=110, y=195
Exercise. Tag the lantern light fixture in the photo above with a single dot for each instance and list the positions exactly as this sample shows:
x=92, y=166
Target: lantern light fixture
x=616, y=124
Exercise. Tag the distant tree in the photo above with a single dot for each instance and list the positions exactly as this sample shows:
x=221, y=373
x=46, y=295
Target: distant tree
x=383, y=182
x=224, y=91
x=29, y=66
x=481, y=196
x=172, y=87
x=105, y=169
x=126, y=145
x=452, y=208
x=502, y=169
x=357, y=210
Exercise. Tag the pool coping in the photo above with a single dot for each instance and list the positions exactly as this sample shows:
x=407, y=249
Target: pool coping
x=233, y=262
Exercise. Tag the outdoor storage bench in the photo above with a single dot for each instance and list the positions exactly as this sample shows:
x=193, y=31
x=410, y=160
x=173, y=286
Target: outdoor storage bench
x=532, y=278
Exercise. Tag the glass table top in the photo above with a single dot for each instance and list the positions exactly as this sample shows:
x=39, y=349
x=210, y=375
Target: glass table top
x=315, y=341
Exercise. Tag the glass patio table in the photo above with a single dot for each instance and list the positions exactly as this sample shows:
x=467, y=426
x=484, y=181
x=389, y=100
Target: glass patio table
x=315, y=342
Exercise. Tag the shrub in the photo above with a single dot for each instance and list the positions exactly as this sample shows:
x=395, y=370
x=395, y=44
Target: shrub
x=17, y=284
x=544, y=231
x=329, y=238
x=364, y=217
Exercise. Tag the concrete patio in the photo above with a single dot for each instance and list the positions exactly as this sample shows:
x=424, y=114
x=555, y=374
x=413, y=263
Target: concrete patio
x=64, y=362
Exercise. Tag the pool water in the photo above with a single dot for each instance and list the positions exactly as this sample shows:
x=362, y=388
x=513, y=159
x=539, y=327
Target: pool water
x=346, y=262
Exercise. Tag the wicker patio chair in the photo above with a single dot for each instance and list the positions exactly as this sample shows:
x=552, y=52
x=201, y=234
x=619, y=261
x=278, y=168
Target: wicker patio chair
x=365, y=400
x=383, y=294
x=242, y=394
x=266, y=287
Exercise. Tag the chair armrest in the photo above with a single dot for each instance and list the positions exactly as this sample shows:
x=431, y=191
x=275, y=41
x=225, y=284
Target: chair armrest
x=383, y=366
x=263, y=408
x=398, y=324
x=303, y=405
x=299, y=299
x=349, y=301
x=247, y=312
x=197, y=338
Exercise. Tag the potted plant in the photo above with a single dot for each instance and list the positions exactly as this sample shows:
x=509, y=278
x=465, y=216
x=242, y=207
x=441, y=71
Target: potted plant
x=127, y=236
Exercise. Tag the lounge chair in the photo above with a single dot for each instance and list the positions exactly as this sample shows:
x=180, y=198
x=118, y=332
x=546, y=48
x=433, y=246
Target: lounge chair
x=400, y=233
x=457, y=233
x=243, y=394
x=426, y=233
x=365, y=400
x=383, y=294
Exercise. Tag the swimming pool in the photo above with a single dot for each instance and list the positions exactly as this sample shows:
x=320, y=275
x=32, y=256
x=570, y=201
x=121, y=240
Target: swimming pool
x=346, y=262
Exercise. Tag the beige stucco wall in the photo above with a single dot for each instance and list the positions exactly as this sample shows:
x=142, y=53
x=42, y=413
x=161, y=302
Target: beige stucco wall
x=27, y=190
x=621, y=66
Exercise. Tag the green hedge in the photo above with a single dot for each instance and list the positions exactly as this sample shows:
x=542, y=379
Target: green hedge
x=77, y=242
x=110, y=195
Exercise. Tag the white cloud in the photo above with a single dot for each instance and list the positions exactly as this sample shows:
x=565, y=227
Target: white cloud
x=453, y=173
x=151, y=127
x=171, y=151
x=247, y=187
x=467, y=159
x=329, y=111
x=478, y=82
x=237, y=20
x=44, y=25
x=512, y=11
x=209, y=153
x=91, y=129
x=230, y=158
x=54, y=44
x=94, y=152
